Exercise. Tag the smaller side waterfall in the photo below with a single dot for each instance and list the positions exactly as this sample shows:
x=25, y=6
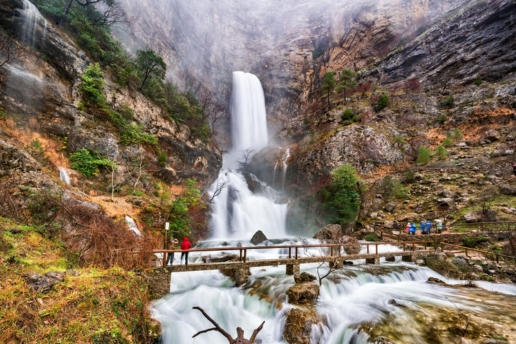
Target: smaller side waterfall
x=285, y=167
x=31, y=23
x=63, y=175
x=132, y=225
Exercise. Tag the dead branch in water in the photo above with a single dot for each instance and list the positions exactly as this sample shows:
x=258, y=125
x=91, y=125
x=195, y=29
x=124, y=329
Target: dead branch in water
x=240, y=333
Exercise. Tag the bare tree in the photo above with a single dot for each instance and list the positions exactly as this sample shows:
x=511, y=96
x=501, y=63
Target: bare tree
x=107, y=15
x=218, y=189
x=102, y=13
x=246, y=157
x=240, y=333
x=8, y=49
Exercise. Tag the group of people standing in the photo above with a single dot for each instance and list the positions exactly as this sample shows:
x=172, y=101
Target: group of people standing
x=425, y=227
x=172, y=245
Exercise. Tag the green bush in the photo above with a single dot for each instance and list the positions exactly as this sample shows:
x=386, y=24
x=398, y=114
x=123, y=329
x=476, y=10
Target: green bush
x=410, y=176
x=448, y=102
x=181, y=222
x=478, y=80
x=423, y=156
x=341, y=197
x=474, y=241
x=392, y=187
x=162, y=158
x=347, y=115
x=442, y=118
x=447, y=142
x=383, y=102
x=88, y=162
x=457, y=134
x=92, y=86
x=441, y=153
x=372, y=237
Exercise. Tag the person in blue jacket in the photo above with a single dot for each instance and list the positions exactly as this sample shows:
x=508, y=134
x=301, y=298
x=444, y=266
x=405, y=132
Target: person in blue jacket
x=429, y=226
x=422, y=226
x=413, y=228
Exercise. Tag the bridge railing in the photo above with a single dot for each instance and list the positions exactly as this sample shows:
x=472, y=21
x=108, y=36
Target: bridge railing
x=295, y=251
x=491, y=255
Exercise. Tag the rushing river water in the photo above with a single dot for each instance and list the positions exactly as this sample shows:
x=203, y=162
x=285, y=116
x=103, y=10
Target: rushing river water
x=390, y=299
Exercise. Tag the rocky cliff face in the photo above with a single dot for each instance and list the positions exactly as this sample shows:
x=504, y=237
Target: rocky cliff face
x=289, y=45
x=41, y=87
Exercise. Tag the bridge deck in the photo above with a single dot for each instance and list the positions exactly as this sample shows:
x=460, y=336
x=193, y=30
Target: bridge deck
x=287, y=261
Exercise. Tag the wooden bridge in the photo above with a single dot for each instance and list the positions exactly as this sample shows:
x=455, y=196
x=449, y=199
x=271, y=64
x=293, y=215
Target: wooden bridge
x=292, y=256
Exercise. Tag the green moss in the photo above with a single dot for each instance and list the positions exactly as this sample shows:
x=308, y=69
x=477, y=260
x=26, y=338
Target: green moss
x=104, y=306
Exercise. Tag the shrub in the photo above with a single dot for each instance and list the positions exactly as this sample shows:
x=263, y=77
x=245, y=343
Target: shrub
x=423, y=156
x=457, y=134
x=392, y=187
x=347, y=115
x=372, y=237
x=442, y=118
x=88, y=162
x=447, y=142
x=92, y=86
x=383, y=102
x=441, y=153
x=478, y=80
x=448, y=102
x=473, y=241
x=341, y=197
x=410, y=176
x=162, y=158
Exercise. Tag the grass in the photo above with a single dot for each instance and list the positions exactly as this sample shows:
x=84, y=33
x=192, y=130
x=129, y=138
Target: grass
x=97, y=306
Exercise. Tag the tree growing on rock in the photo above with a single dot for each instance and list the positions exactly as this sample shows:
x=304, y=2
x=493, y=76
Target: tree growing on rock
x=328, y=85
x=149, y=66
x=341, y=196
x=347, y=82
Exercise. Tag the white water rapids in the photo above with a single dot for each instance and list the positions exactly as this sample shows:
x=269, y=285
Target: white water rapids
x=348, y=299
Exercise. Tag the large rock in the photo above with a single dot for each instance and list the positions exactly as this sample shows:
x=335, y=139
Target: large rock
x=298, y=325
x=492, y=135
x=472, y=217
x=507, y=189
x=258, y=238
x=304, y=293
x=43, y=283
x=304, y=277
x=331, y=232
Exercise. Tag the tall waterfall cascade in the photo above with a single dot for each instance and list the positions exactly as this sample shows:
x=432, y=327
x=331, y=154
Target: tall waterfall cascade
x=239, y=212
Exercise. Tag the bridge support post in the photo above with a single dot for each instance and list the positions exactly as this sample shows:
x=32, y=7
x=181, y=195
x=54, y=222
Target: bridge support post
x=292, y=269
x=408, y=259
x=375, y=260
x=158, y=281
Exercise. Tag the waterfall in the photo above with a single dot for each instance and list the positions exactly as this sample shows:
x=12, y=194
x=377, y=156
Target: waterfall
x=31, y=22
x=248, y=117
x=285, y=166
x=132, y=225
x=63, y=175
x=237, y=211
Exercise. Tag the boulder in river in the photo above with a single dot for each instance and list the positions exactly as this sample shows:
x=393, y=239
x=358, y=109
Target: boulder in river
x=258, y=237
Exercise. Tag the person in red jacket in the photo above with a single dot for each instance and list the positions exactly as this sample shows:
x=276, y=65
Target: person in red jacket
x=185, y=245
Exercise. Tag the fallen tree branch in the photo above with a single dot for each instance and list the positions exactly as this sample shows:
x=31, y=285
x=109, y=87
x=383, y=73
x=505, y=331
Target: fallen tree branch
x=240, y=333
